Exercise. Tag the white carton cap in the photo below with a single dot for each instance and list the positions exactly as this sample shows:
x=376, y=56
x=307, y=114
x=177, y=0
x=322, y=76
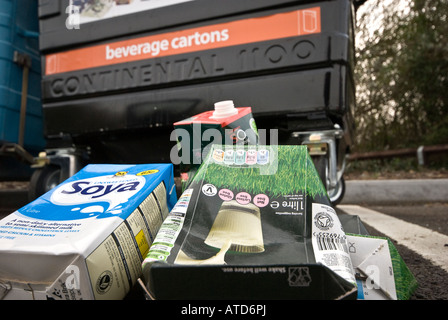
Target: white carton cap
x=224, y=109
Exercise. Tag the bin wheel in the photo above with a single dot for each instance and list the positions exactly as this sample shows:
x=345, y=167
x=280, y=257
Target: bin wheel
x=335, y=194
x=43, y=180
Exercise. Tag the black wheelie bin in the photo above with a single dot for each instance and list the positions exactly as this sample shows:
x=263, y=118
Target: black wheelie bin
x=118, y=74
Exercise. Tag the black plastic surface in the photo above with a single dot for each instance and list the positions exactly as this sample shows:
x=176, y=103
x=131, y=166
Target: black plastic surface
x=283, y=78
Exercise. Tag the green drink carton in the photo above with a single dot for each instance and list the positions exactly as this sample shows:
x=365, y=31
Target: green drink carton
x=255, y=223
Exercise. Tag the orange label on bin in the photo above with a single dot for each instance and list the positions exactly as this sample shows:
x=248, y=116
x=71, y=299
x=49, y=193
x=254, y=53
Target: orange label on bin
x=281, y=25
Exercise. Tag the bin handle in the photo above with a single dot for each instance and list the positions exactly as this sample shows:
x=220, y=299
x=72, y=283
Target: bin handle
x=27, y=33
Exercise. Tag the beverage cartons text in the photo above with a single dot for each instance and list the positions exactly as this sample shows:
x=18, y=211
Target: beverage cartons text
x=87, y=237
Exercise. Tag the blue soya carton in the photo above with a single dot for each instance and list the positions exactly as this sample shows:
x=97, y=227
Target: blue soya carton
x=86, y=238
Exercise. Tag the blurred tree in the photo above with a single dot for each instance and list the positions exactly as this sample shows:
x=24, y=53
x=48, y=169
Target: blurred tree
x=402, y=74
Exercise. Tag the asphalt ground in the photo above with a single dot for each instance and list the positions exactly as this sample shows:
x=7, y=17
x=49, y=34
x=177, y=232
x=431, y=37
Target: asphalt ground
x=394, y=192
x=413, y=202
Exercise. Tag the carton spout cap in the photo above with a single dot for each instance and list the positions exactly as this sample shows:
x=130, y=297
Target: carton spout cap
x=224, y=109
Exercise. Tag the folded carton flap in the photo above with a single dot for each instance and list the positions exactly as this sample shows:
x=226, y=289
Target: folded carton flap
x=33, y=267
x=152, y=176
x=352, y=224
x=362, y=248
x=300, y=281
x=23, y=291
x=378, y=267
x=377, y=260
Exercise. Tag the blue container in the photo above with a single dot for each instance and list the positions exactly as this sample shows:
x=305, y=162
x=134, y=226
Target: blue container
x=19, y=32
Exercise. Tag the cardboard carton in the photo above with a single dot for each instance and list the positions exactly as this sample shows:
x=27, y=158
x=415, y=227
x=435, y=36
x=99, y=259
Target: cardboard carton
x=86, y=238
x=223, y=125
x=381, y=273
x=252, y=230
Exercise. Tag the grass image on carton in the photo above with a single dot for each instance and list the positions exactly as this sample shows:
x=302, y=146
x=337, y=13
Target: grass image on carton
x=296, y=174
x=86, y=238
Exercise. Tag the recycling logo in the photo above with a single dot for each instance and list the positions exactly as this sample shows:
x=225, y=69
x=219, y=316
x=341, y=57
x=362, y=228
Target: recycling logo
x=323, y=221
